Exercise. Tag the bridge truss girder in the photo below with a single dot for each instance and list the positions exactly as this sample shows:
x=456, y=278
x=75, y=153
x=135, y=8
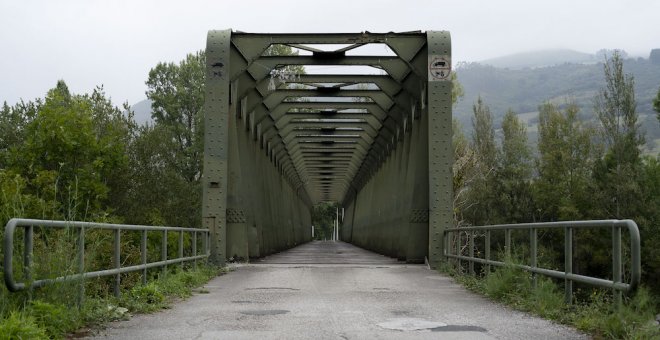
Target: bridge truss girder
x=379, y=144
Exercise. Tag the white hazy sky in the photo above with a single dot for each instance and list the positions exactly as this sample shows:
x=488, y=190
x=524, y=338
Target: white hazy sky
x=115, y=43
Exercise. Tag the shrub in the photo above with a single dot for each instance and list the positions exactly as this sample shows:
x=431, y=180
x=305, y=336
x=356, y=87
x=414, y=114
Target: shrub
x=144, y=298
x=506, y=282
x=598, y=315
x=55, y=319
x=21, y=326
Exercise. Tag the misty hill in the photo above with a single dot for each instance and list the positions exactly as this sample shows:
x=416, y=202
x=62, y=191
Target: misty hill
x=142, y=111
x=523, y=90
x=543, y=58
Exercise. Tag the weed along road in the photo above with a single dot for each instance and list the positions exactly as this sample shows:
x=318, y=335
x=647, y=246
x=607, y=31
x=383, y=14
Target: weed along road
x=333, y=290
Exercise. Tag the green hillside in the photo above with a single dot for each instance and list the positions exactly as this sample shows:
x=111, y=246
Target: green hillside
x=524, y=89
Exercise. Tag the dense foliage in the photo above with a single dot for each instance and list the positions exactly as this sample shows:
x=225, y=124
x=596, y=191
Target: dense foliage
x=78, y=157
x=580, y=170
x=323, y=220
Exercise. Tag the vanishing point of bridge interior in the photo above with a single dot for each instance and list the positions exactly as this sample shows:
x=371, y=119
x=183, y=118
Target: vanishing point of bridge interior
x=367, y=125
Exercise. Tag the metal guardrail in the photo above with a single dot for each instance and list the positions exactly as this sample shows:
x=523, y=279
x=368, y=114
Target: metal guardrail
x=81, y=227
x=569, y=277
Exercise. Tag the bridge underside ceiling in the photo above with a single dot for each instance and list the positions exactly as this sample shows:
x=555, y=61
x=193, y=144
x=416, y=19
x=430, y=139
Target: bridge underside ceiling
x=342, y=119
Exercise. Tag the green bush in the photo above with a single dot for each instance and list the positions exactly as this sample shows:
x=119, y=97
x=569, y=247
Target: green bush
x=144, y=298
x=598, y=315
x=19, y=325
x=39, y=316
x=546, y=300
x=506, y=283
x=149, y=293
x=55, y=319
x=631, y=320
x=180, y=283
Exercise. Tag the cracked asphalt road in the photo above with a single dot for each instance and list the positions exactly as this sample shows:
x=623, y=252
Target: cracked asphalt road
x=333, y=290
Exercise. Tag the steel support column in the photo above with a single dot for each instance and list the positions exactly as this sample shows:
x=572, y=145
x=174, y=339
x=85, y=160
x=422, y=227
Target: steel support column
x=439, y=141
x=216, y=112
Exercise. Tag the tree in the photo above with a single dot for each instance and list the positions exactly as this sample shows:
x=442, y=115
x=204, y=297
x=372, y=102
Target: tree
x=514, y=172
x=482, y=191
x=616, y=108
x=323, y=219
x=464, y=173
x=457, y=91
x=566, y=158
x=169, y=154
x=564, y=188
x=177, y=95
x=483, y=138
x=649, y=222
x=116, y=131
x=68, y=155
x=13, y=121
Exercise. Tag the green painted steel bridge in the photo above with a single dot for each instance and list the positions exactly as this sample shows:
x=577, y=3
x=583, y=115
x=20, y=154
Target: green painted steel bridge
x=368, y=125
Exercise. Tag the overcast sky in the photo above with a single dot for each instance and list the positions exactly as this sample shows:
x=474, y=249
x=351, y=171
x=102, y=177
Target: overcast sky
x=115, y=43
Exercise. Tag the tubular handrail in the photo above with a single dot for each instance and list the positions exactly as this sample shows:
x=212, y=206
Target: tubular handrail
x=117, y=269
x=568, y=226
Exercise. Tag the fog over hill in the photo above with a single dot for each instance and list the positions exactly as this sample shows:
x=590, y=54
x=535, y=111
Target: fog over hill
x=535, y=59
x=568, y=81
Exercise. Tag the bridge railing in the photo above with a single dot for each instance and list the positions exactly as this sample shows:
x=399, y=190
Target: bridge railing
x=454, y=251
x=116, y=270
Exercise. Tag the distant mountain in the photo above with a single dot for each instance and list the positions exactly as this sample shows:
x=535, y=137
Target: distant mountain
x=523, y=90
x=543, y=58
x=142, y=111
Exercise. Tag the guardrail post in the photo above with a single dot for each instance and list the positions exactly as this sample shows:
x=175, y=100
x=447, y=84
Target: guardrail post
x=459, y=267
x=507, y=244
x=81, y=266
x=488, y=251
x=143, y=255
x=568, y=264
x=533, y=253
x=205, y=244
x=194, y=248
x=471, y=250
x=163, y=252
x=181, y=247
x=117, y=261
x=27, y=256
x=616, y=262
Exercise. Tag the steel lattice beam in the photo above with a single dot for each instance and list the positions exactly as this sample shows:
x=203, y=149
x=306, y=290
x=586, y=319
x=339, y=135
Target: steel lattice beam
x=368, y=141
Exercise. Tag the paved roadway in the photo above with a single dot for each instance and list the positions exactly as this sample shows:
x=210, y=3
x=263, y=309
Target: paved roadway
x=333, y=290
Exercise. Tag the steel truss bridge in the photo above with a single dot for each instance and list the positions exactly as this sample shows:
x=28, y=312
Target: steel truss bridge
x=368, y=125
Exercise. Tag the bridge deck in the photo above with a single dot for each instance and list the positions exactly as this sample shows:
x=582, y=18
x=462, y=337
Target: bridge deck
x=327, y=252
x=302, y=295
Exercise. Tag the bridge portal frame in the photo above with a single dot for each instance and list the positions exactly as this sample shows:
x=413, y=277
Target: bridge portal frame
x=415, y=90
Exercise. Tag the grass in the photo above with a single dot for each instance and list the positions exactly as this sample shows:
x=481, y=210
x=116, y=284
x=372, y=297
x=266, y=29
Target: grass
x=43, y=317
x=50, y=312
x=597, y=314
